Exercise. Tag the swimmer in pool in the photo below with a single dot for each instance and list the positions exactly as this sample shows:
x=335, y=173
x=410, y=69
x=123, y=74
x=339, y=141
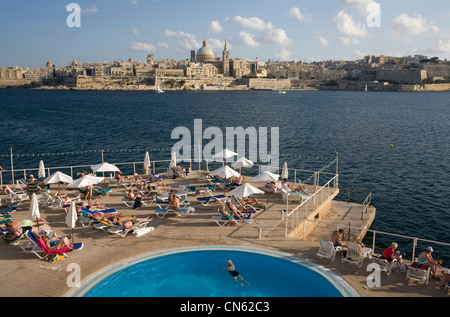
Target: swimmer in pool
x=235, y=274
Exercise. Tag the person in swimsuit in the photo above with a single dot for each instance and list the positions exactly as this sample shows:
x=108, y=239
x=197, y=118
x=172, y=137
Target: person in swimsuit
x=235, y=274
x=427, y=261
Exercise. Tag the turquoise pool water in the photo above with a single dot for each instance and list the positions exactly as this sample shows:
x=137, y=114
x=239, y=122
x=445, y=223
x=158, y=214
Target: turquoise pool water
x=195, y=274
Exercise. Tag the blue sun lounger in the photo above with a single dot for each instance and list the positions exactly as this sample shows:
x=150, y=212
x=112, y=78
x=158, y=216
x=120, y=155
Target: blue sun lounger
x=206, y=200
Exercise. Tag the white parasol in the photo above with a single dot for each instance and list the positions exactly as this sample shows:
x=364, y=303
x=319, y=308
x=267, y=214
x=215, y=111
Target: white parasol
x=266, y=176
x=226, y=154
x=85, y=181
x=71, y=217
x=245, y=190
x=173, y=160
x=285, y=172
x=104, y=167
x=34, y=209
x=41, y=172
x=58, y=178
x=242, y=163
x=147, y=163
x=225, y=172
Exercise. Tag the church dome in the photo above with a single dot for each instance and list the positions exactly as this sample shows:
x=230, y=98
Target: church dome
x=205, y=53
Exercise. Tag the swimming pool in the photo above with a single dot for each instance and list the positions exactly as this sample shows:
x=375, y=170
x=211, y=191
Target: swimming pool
x=194, y=272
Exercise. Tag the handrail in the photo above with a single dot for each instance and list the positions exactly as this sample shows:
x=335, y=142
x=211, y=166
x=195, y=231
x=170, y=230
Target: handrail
x=414, y=239
x=307, y=200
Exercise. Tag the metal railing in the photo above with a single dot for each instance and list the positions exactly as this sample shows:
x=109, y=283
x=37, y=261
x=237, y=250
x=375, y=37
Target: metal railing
x=414, y=240
x=315, y=199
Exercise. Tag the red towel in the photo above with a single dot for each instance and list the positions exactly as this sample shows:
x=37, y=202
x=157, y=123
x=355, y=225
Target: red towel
x=44, y=248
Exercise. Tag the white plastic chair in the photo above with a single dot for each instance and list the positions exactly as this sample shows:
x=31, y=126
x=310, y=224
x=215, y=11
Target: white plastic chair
x=416, y=274
x=328, y=250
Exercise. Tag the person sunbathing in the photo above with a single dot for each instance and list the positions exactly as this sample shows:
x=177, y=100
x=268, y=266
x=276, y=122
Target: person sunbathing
x=253, y=202
x=13, y=231
x=57, y=243
x=302, y=189
x=237, y=213
x=129, y=222
x=122, y=179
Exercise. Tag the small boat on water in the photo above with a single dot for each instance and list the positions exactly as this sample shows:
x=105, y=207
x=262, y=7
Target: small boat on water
x=282, y=92
x=160, y=90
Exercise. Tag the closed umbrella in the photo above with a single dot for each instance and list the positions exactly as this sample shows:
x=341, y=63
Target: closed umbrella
x=41, y=172
x=71, y=218
x=245, y=190
x=285, y=172
x=173, y=160
x=147, y=163
x=34, y=209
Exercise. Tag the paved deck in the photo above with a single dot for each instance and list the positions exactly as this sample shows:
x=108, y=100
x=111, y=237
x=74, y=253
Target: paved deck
x=23, y=275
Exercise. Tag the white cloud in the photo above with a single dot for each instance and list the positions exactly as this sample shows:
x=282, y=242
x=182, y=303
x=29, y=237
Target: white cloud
x=187, y=42
x=442, y=46
x=284, y=55
x=277, y=36
x=254, y=23
x=216, y=45
x=215, y=26
x=407, y=25
x=134, y=30
x=91, y=9
x=323, y=41
x=163, y=45
x=134, y=2
x=297, y=14
x=139, y=46
x=348, y=29
x=362, y=6
x=248, y=39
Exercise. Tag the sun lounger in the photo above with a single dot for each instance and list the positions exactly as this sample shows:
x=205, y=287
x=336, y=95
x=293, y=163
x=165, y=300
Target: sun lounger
x=9, y=209
x=293, y=196
x=206, y=189
x=165, y=198
x=206, y=176
x=223, y=220
x=86, y=218
x=208, y=199
x=328, y=250
x=181, y=212
x=184, y=202
x=189, y=189
x=122, y=231
x=16, y=196
x=130, y=203
x=418, y=274
x=384, y=264
x=355, y=254
x=37, y=246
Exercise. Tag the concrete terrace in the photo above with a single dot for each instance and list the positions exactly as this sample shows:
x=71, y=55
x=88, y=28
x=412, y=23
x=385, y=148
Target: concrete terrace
x=23, y=274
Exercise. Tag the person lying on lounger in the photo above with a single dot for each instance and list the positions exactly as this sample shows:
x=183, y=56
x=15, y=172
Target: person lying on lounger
x=56, y=243
x=234, y=209
x=129, y=222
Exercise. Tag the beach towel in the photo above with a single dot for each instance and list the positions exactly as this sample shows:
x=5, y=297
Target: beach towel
x=44, y=248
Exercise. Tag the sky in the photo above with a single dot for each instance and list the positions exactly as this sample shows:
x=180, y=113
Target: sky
x=31, y=32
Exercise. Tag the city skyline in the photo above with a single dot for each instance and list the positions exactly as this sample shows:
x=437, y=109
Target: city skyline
x=283, y=30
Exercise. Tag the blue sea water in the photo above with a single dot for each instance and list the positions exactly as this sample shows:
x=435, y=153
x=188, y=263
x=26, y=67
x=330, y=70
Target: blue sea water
x=410, y=180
